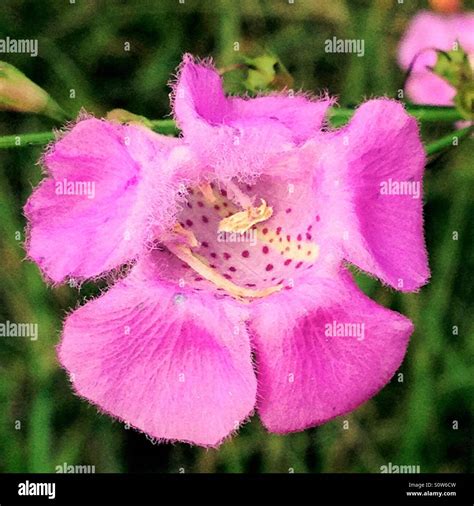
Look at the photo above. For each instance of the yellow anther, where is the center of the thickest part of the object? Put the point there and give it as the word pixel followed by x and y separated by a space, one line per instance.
pixel 188 235
pixel 242 221
pixel 207 192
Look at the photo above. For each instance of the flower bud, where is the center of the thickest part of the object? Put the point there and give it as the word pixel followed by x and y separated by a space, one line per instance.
pixel 446 6
pixel 453 66
pixel 18 93
pixel 266 72
pixel 124 116
pixel 456 69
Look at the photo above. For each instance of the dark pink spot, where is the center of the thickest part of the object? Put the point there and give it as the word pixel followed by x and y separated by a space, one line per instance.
pixel 232 269
pixel 310 227
pixel 265 231
pixel 200 204
pixel 317 218
pixel 213 255
pixel 288 262
pixel 205 219
pixel 205 244
pixel 245 254
pixel 299 246
pixel 189 223
pixel 269 267
pixel 191 191
pixel 250 284
pixel 212 266
pixel 308 236
pixel 278 230
pixel 226 256
pixel 189 205
pixel 288 238
pixel 298 265
pixel 227 276
pixel 265 249
pixel 223 193
pixel 288 210
pixel 197 279
pixel 216 207
pixel 225 204
pixel 299 237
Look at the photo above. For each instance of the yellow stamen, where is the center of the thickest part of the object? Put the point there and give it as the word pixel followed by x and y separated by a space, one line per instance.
pixel 195 262
pixel 207 192
pixel 187 234
pixel 242 221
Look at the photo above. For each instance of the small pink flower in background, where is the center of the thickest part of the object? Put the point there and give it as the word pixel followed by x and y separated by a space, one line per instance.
pixel 237 234
pixel 426 32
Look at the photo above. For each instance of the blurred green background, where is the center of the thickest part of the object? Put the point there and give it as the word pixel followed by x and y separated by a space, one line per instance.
pixel 81 47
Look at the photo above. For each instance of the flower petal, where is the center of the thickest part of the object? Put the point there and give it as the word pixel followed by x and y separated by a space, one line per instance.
pixel 426 32
pixel 175 366
pixel 307 372
pixel 434 31
pixel 235 136
pixel 428 88
pixel 378 162
pixel 93 212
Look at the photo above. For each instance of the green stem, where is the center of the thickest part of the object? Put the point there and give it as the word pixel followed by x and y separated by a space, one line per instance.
pixel 337 116
pixel 165 126
pixel 447 141
pixel 434 113
pixel 22 140
pixel 162 126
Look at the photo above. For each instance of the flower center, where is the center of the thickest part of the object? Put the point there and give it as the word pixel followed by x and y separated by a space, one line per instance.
pixel 237 246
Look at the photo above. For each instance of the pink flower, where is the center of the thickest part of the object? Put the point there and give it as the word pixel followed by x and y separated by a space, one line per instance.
pixel 238 234
pixel 429 31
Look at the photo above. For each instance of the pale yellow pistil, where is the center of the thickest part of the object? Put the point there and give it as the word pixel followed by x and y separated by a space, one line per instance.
pixel 185 254
pixel 244 220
